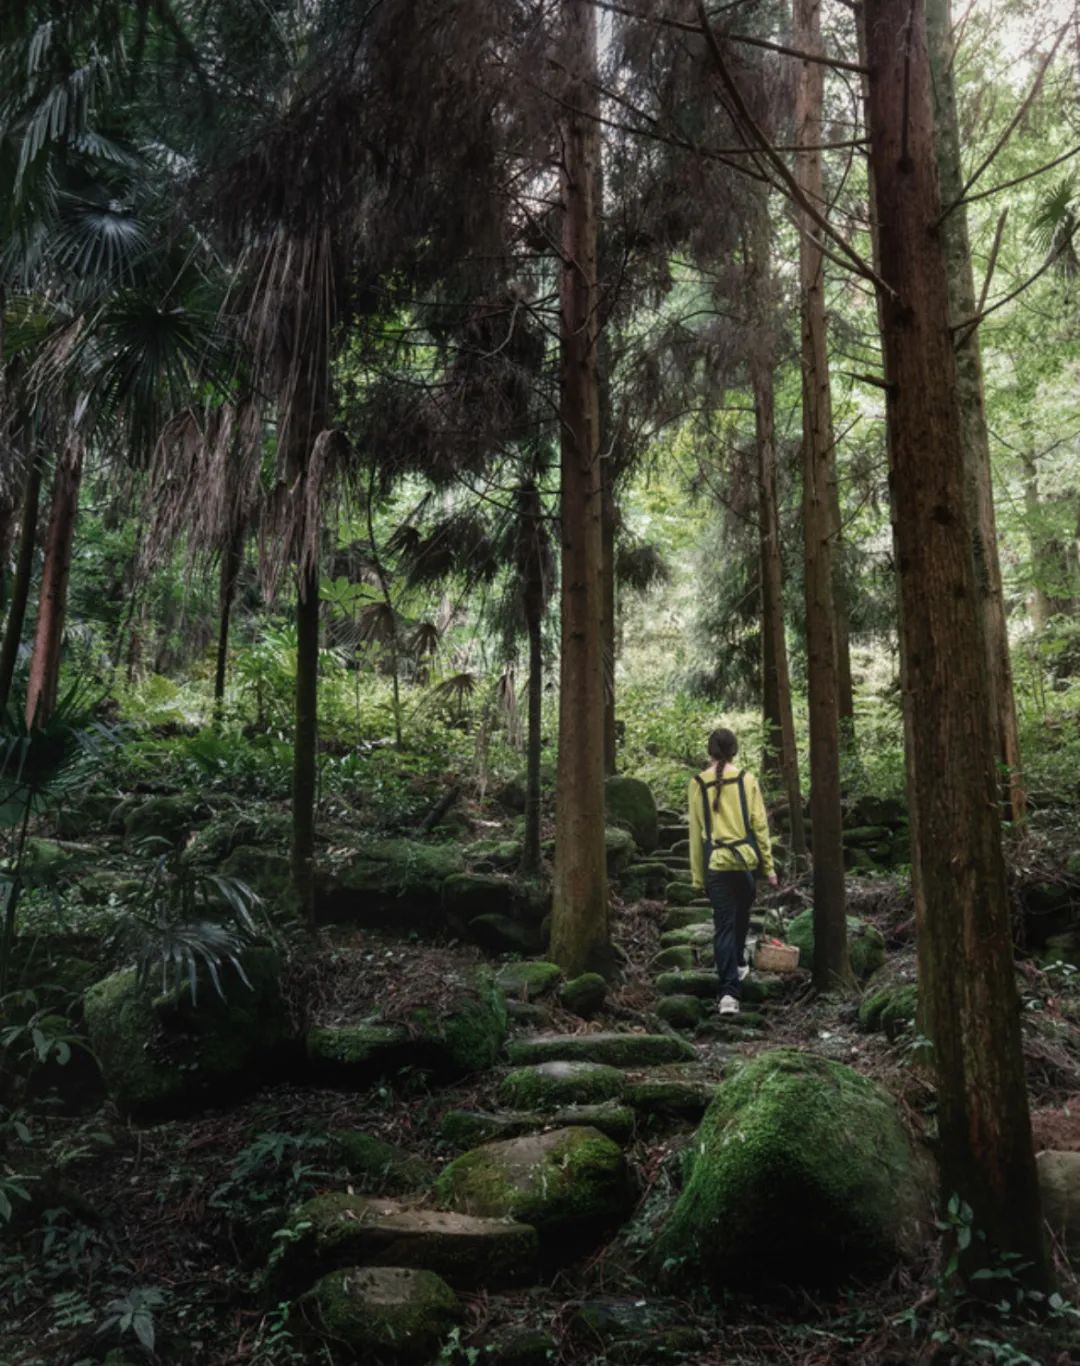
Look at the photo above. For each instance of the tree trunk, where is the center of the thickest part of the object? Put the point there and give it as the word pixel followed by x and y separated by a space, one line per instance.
pixel 609 520
pixel 7 529
pixel 232 559
pixel 20 584
pixel 978 487
pixel 43 685
pixel 832 968
pixel 579 922
pixel 305 739
pixel 962 910
pixel 530 851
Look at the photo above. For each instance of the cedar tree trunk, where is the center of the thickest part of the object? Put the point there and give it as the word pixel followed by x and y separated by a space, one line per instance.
pixel 532 568
pixel 232 558
pixel 44 681
pixel 579 921
pixel 978 488
pixel 832 967
pixel 305 739
pixel 966 975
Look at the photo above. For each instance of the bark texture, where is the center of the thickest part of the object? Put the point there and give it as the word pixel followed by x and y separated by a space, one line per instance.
pixel 978 487
pixel 20 583
pixel 962 910
pixel 579 925
pixel 232 558
pixel 532 566
pixel 832 968
pixel 305 739
pixel 43 684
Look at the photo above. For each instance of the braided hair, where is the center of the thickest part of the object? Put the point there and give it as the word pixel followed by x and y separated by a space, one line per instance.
pixel 723 747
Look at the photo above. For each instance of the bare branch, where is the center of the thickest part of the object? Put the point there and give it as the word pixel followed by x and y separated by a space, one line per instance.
pixel 1016 180
pixel 969 324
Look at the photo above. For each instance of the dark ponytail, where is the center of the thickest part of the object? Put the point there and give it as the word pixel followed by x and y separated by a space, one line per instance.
pixel 723 747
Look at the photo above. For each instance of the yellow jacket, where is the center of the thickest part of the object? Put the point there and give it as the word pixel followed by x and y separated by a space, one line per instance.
pixel 727 825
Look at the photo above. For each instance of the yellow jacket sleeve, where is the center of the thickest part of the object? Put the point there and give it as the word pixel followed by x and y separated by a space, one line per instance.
pixel 760 821
pixel 697 836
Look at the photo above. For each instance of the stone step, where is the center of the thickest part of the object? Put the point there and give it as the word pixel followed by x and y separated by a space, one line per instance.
pixel 680 917
pixel 609 1049
pixel 701 982
pixel 339 1230
pixel 469 1128
pixel 671 834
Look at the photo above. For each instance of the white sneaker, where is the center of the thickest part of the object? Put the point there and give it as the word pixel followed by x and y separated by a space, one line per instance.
pixel 744 973
pixel 729 1005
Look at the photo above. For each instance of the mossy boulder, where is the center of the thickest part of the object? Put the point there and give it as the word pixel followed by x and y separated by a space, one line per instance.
pixel 802 1174
pixel 528 980
pixel 678 958
pixel 163 1056
pixel 380 1316
pixel 609 1048
pixel 49 861
pixel 569 1184
pixel 501 934
pixel 878 811
pixel 398 880
pixel 266 872
pixel 459 1033
pixel 377 1166
pixel 469 895
pixel 681 893
pixel 163 818
pixel 680 1012
pixel 549 1085
pixel 890 1009
pixel 584 995
pixel 501 854
pixel 340 1230
pixel 630 803
pixel 1059 1184
pixel 619 849
pixel 470 1128
pixel 644 880
pixel 865 944
pixel 698 982
pixel 671 1097
pixel 686 917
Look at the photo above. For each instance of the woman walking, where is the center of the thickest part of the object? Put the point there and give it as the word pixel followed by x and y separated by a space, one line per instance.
pixel 729 842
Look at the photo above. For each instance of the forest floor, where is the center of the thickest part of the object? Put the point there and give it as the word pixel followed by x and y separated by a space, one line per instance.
pixel 187 1207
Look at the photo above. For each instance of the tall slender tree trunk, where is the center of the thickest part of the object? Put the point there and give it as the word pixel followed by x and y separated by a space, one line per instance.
pixel 579 923
pixel 232 559
pixel 832 967
pixel 964 938
pixel 609 519
pixel 978 487
pixel 532 566
pixel 305 738
pixel 20 584
pixel 44 681
pixel 7 531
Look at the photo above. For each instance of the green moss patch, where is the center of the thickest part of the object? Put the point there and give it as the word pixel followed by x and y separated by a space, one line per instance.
pixel 554 1084
pixel 381 1315
pixel 865 944
pixel 526 981
pixel 610 1049
pixel 630 803
pixel 377 1166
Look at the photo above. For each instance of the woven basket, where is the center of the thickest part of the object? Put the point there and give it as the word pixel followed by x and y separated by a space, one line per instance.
pixel 776 957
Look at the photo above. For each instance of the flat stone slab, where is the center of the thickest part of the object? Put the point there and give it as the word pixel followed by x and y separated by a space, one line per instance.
pixel 671 1097
pixel 694 935
pixel 470 1128
pixel 680 917
pixel 340 1230
pixel 610 1049
pixel 381 1313
pixel 551 1085
pixel 694 983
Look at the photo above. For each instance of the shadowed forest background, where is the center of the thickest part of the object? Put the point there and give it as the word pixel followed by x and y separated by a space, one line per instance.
pixel 420 425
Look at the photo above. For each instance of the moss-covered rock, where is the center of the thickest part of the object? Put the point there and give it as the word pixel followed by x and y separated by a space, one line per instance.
pixel 468 895
pixel 680 1012
pixel 698 982
pixel 878 811
pixel 644 880
pixel 680 893
pixel 380 1316
pixel 568 1184
pixel 584 995
pixel 164 818
pixel 678 958
pixel 391 879
pixel 267 873
pixel 501 934
pixel 609 1048
pixel 164 1056
pixel 619 848
pixel 630 803
pixel 671 1097
pixel 461 1033
pixel 865 944
pixel 890 1009
pixel 550 1085
pixel 471 1128
pixel 526 981
pixel 340 1230
pixel 375 1165
pixel 802 1174
pixel 504 855
pixel 686 917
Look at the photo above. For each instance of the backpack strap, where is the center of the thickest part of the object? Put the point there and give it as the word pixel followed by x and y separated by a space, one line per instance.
pixel 706 813
pixel 748 830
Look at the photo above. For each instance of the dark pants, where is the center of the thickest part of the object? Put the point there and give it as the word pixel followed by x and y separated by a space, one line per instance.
pixel 731 896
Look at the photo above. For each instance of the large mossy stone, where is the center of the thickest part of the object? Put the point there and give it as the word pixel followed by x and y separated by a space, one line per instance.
pixel 802 1174
pixel 865 944
pixel 890 1009
pixel 466 896
pixel 381 1316
pixel 677 958
pixel 391 879
pixel 162 818
pixel 374 1165
pixel 619 850
pixel 680 1012
pixel 568 1184
pixel 549 1085
pixel 502 854
pixel 681 893
pixel 528 980
pixel 698 982
pixel 630 802
pixel 501 934
pixel 671 1097
pixel 267 873
pixel 163 1056
pixel 463 1033
pixel 610 1049
pixel 584 995
pixel 1059 1185
pixel 872 810
pixel 339 1230
pixel 644 880
pixel 470 1128
pixel 686 917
